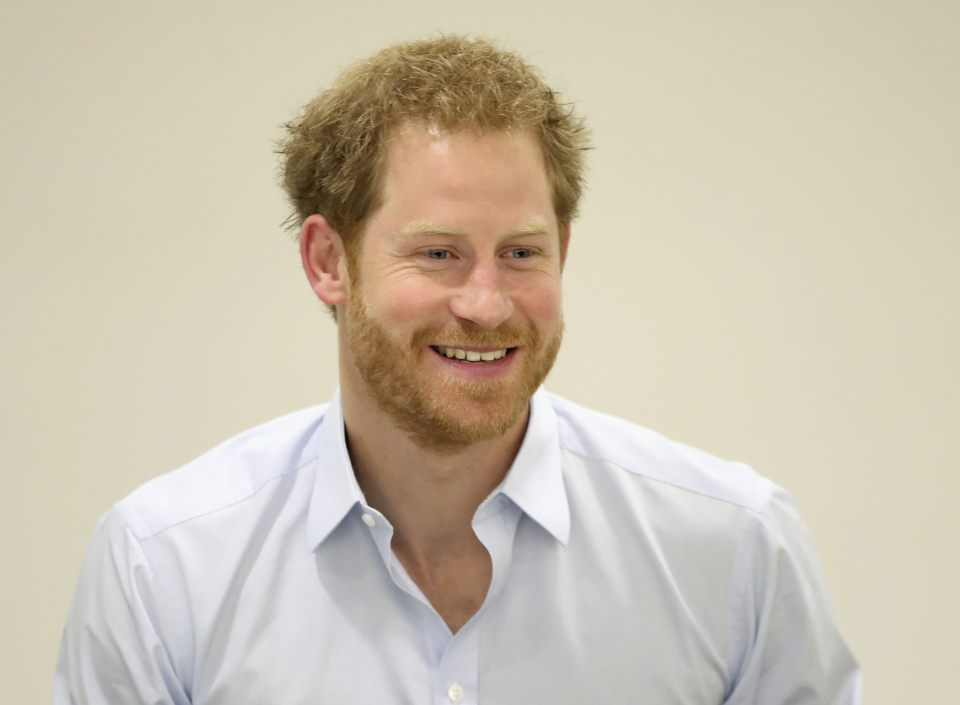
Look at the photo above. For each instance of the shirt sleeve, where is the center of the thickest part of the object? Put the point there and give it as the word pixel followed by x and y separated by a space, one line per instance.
pixel 792 651
pixel 112 651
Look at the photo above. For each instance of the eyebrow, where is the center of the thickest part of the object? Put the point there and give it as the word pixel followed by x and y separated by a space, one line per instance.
pixel 426 228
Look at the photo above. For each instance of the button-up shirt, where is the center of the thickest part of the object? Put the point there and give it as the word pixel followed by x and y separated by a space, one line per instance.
pixel 627 568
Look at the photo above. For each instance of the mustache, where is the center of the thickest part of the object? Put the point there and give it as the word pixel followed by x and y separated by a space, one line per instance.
pixel 505 336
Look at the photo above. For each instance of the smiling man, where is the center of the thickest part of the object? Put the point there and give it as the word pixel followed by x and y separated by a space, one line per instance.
pixel 444 530
pixel 459 291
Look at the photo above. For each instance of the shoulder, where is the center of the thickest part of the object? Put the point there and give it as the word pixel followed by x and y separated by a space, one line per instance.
pixel 225 476
pixel 645 456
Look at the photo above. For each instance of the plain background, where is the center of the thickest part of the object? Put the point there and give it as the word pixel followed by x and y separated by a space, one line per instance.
pixel 767 266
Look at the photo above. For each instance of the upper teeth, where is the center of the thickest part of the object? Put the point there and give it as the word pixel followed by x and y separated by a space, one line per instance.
pixel 471 355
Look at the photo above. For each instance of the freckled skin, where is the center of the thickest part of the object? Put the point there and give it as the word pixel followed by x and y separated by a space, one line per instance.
pixel 464 252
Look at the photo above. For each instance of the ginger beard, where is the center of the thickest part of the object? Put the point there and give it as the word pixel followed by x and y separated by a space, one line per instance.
pixel 440 411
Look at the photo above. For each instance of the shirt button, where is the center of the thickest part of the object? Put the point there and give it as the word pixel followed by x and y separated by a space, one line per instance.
pixel 369 520
pixel 455 693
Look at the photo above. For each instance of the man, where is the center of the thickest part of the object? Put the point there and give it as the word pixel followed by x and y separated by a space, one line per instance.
pixel 442 531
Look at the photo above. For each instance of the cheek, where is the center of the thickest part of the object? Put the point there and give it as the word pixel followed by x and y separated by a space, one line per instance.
pixel 542 304
pixel 413 304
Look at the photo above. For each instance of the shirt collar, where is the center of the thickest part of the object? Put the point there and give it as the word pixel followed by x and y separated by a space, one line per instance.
pixel 335 488
pixel 534 482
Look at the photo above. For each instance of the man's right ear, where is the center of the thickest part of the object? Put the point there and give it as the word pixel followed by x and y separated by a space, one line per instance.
pixel 324 260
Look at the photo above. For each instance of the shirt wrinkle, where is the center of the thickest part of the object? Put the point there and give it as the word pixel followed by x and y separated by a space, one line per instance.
pixel 602 584
pixel 758 511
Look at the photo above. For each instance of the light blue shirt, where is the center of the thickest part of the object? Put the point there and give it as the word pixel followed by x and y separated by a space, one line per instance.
pixel 626 569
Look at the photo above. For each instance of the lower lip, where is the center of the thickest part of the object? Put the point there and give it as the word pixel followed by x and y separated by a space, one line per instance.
pixel 478 370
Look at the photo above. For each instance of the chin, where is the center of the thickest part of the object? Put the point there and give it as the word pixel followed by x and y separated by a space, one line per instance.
pixel 457 415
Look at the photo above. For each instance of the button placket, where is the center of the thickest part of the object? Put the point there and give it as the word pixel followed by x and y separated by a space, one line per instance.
pixel 456 677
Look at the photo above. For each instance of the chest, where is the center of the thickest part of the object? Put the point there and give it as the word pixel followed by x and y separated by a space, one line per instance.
pixel 455 584
pixel 341 628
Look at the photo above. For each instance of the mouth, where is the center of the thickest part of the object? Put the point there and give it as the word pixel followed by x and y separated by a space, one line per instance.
pixel 474 356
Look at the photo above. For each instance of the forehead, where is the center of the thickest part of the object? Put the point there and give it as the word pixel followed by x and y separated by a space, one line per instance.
pixel 501 169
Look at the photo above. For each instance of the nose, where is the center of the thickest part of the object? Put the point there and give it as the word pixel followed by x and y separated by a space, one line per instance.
pixel 482 299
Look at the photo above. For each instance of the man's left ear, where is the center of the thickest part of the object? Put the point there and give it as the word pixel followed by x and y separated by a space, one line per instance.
pixel 324 260
pixel 564 242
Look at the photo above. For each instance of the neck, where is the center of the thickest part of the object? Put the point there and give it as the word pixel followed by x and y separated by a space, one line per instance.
pixel 428 495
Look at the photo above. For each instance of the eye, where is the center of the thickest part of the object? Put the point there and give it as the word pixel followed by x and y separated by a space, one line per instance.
pixel 521 252
pixel 437 255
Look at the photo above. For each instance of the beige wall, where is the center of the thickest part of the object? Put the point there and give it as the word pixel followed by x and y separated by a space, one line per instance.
pixel 767 266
